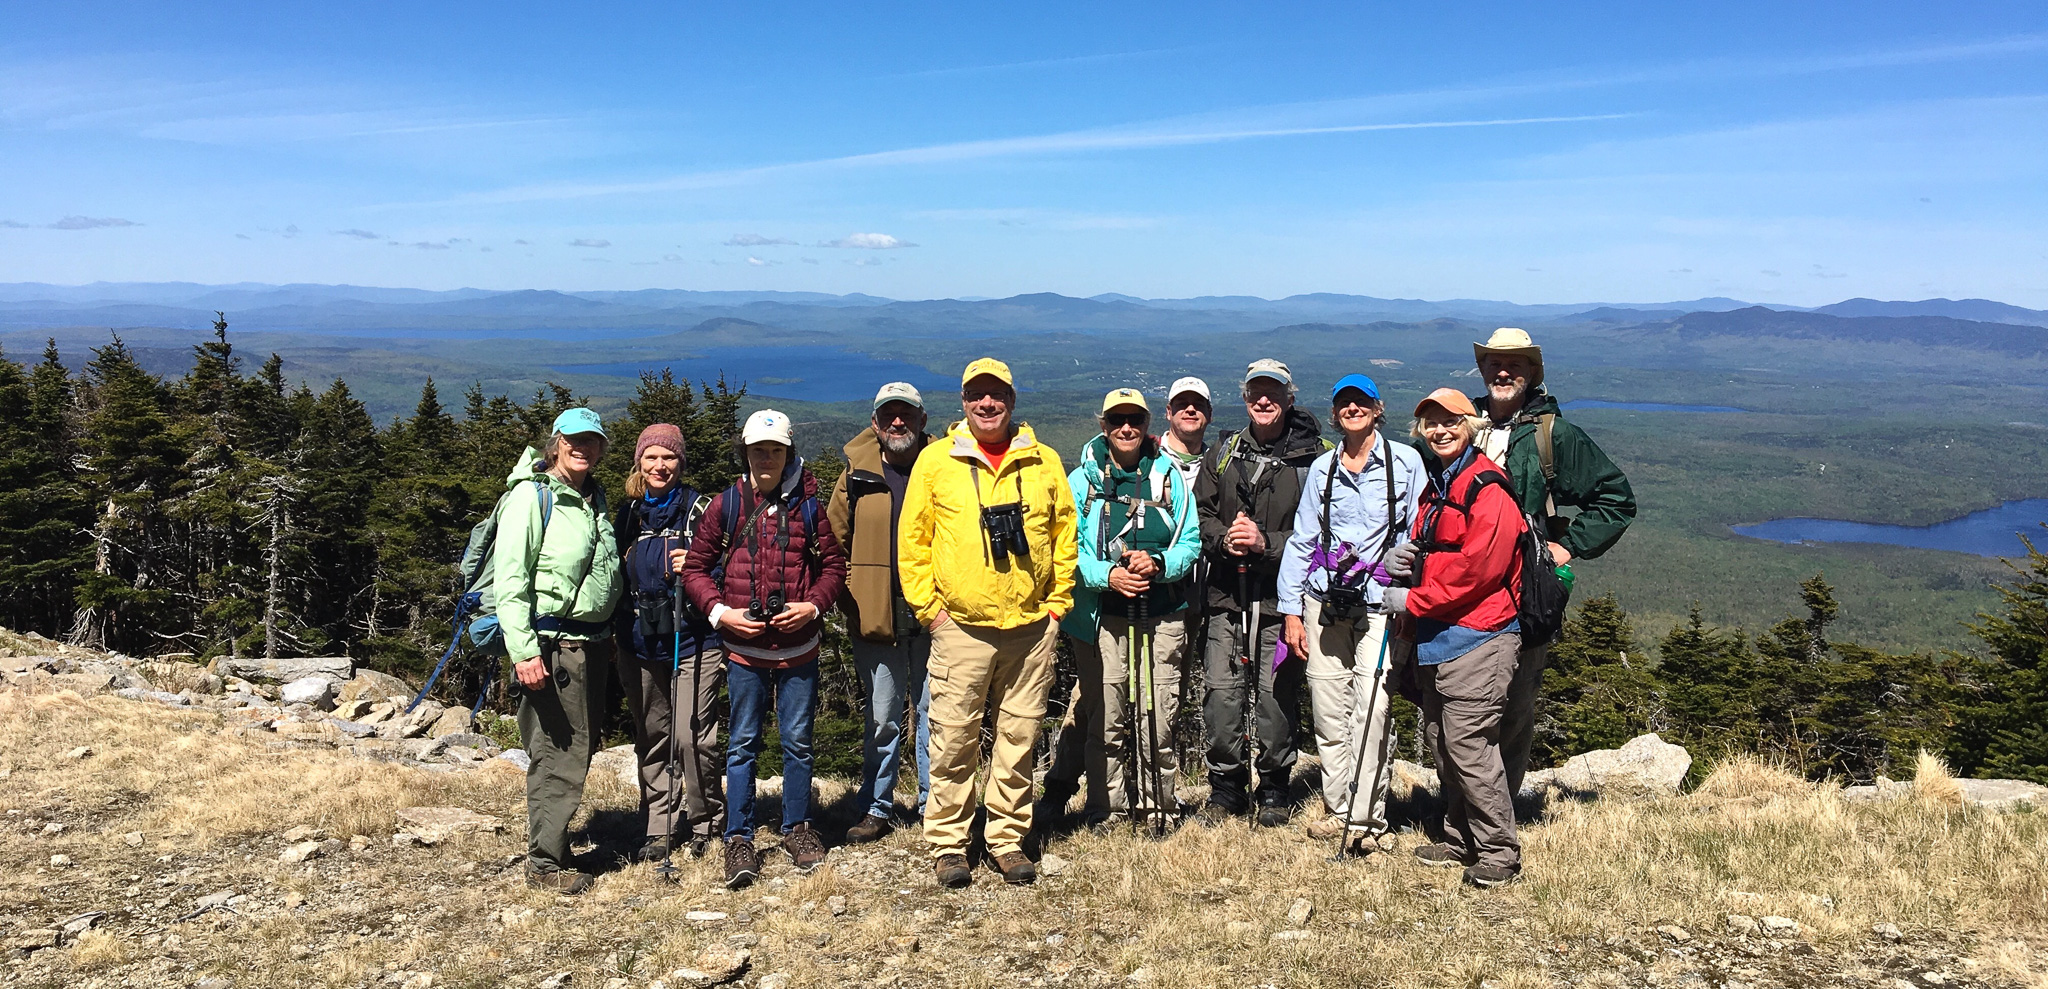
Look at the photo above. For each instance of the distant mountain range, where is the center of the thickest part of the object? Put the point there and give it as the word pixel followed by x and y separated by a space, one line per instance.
pixel 251 305
pixel 2018 339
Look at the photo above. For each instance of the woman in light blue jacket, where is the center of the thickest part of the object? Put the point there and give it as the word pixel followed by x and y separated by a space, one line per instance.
pixel 1139 538
pixel 1356 505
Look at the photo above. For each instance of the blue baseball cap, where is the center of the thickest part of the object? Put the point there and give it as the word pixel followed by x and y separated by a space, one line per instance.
pixel 573 421
pixel 1358 381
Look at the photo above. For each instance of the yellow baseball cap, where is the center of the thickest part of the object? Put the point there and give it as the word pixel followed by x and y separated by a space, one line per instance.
pixel 1125 396
pixel 989 366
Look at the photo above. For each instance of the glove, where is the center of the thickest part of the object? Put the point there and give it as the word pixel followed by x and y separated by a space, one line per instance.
pixel 1400 561
pixel 1396 601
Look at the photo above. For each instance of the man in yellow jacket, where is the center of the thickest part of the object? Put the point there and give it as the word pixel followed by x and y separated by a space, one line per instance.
pixel 986 554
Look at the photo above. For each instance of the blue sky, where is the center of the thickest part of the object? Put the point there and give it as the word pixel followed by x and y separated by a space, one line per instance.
pixel 1796 153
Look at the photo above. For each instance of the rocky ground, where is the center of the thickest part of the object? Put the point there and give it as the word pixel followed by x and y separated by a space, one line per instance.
pixel 174 833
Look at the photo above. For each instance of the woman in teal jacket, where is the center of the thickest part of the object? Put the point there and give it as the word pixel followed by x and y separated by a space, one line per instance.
pixel 1139 538
pixel 556 572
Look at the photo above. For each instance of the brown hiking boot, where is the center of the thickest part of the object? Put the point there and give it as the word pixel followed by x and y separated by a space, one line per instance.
pixel 871 828
pixel 742 865
pixel 1489 876
pixel 952 871
pixel 1016 868
pixel 804 846
pixel 567 882
pixel 1443 854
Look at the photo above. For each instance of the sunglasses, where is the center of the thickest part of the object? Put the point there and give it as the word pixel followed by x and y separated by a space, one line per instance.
pixel 1118 420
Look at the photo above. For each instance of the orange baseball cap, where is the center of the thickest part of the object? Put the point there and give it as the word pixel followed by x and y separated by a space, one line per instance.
pixel 1450 399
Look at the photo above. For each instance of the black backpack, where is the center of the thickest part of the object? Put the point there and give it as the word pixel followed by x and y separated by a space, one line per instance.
pixel 1544 598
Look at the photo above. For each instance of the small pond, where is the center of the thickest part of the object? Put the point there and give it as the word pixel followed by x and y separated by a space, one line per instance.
pixel 1991 532
pixel 1594 403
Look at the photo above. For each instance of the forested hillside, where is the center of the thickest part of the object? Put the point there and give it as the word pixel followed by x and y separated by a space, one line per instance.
pixel 226 511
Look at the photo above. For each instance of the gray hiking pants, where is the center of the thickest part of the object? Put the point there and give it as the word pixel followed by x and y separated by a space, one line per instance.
pixel 558 725
pixel 1462 701
pixel 691 806
pixel 1518 722
pixel 1223 686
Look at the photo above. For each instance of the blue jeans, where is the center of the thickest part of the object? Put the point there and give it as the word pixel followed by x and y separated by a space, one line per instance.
pixel 796 692
pixel 889 672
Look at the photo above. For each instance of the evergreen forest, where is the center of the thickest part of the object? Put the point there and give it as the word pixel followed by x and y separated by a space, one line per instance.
pixel 229 512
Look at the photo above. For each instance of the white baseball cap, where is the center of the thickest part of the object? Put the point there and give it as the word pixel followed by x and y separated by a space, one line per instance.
pixel 1188 384
pixel 898 391
pixel 767 426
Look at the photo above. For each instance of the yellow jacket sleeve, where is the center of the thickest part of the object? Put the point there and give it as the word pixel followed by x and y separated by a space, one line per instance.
pixel 1066 550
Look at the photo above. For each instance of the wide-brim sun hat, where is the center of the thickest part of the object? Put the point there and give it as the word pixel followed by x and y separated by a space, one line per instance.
pixel 1512 340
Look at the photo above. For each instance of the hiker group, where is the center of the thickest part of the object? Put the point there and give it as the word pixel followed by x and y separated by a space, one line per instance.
pixel 1432 562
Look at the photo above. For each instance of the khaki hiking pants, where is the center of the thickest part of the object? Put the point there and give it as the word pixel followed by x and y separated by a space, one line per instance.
pixel 1462 701
pixel 1518 722
pixel 1343 685
pixel 657 699
pixel 975 669
pixel 558 725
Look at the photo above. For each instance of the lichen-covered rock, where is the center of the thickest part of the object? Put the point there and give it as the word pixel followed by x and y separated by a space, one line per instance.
pixel 257 670
pixel 1647 766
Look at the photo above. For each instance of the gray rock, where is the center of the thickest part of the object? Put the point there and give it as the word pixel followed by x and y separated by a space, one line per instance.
pixel 218 898
pixel 1775 923
pixel 1675 933
pixel 352 729
pixel 621 762
pixel 315 691
pixel 157 696
pixel 555 981
pixel 2004 794
pixel 84 683
pixel 1889 932
pixel 836 904
pixel 275 671
pixel 1053 865
pixel 454 720
pixel 75 926
pixel 1645 767
pixel 1300 911
pixel 517 757
pixel 1294 935
pixel 438 823
pixel 716 964
pixel 1743 924
pixel 301 852
pixel 471 739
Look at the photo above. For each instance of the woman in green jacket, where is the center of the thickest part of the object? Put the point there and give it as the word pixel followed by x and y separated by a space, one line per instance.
pixel 556 567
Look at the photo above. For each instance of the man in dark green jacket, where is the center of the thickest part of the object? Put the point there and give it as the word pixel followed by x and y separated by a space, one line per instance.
pixel 1552 465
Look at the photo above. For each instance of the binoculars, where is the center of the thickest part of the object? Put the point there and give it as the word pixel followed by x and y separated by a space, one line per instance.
pixel 1005 527
pixel 1343 603
pixel 763 611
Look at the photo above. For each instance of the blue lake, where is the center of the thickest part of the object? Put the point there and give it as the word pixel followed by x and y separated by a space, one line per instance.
pixel 812 374
pixel 1594 403
pixel 1991 532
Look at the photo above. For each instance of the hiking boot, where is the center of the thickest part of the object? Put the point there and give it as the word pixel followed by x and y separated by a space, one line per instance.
pixel 1325 828
pixel 1213 813
pixel 1273 811
pixel 1358 844
pixel 952 871
pixel 1016 868
pixel 567 882
pixel 805 848
pixel 1489 876
pixel 1443 854
pixel 699 845
pixel 871 828
pixel 655 849
pixel 742 864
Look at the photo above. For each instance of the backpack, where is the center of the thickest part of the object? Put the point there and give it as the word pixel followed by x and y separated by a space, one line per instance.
pixel 729 513
pixel 1541 607
pixel 476 608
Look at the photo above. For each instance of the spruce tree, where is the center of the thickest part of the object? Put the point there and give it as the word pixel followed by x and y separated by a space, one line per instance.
pixel 132 465
pixel 2002 730
pixel 1595 694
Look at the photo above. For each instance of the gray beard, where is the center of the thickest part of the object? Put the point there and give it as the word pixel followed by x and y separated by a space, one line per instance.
pixel 898 445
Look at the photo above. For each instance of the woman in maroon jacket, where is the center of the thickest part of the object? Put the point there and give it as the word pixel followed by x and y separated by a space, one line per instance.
pixel 763 567
pixel 1463 574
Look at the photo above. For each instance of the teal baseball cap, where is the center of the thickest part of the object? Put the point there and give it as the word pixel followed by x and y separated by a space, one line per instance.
pixel 573 421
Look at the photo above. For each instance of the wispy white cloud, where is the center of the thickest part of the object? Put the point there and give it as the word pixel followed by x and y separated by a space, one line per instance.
pixel 758 263
pixel 1046 218
pixel 358 234
pixel 589 242
pixel 90 223
pixel 756 240
pixel 868 242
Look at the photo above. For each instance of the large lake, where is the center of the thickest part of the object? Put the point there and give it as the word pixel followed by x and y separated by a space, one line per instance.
pixel 1594 403
pixel 813 374
pixel 1991 532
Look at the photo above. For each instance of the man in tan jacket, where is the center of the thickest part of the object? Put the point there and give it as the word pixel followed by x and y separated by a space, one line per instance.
pixel 890 646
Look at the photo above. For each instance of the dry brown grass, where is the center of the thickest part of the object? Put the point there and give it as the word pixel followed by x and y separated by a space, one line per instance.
pixel 1968 889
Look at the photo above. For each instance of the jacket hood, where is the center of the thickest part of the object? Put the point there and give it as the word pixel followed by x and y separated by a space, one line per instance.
pixel 526 468
pixel 1301 434
pixel 965 448
pixel 1095 460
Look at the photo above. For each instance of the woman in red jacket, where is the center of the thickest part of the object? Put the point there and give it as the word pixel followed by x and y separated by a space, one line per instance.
pixel 1463 572
pixel 763 567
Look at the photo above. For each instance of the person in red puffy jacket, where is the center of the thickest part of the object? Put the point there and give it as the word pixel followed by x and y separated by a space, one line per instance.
pixel 763 567
pixel 1462 572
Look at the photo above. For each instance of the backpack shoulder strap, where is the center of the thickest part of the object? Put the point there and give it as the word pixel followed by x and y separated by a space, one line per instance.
pixel 546 495
pixel 1546 451
pixel 1387 468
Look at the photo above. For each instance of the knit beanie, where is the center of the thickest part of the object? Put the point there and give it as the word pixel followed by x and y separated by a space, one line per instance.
pixel 660 434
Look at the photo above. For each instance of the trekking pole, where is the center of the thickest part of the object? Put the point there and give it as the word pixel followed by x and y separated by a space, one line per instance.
pixel 1158 804
pixel 1246 649
pixel 1132 783
pixel 1379 667
pixel 667 869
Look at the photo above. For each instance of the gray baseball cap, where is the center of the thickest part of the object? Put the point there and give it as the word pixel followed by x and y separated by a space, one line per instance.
pixel 898 391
